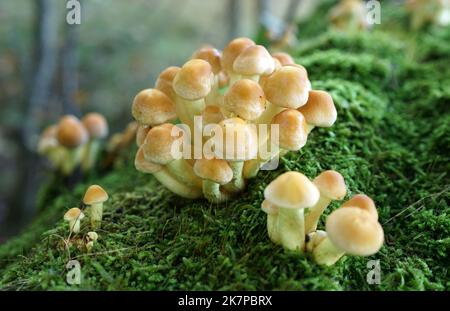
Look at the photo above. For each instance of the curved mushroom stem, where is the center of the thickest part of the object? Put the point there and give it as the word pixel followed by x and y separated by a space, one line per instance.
pixel 71 160
pixel 187 109
pixel 96 215
pixel 91 150
pixel 252 167
pixel 74 225
pixel 237 184
pixel 213 97
pixel 174 185
pixel 184 171
pixel 212 192
pixel 291 228
pixel 313 214
pixel 326 253
pixel 269 113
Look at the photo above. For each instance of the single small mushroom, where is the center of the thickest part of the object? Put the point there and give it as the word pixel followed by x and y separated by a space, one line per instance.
pixel 253 62
pixel 164 83
pixel 332 186
pixel 313 239
pixel 97 127
pixel 72 135
pixel 74 217
pixel 287 87
pixel 364 202
pixel 291 193
pixel 283 58
pixel 91 238
pixel 141 134
pixel 245 99
pixel 319 110
pixel 158 147
pixel 95 196
pixel 164 177
pixel 214 172
pixel 152 107
pixel 231 52
pixel 350 231
pixel 213 57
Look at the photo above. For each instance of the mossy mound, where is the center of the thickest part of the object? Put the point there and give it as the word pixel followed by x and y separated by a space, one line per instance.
pixel 390 141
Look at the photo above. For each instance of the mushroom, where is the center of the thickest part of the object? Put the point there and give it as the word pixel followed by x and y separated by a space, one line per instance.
pixel 97 127
pixel 164 177
pixel 231 52
pixel 332 186
pixel 253 62
pixel 158 147
pixel 95 196
pixel 91 238
pixel 364 202
pixel 313 239
pixel 214 172
pixel 192 84
pixel 48 146
pixel 213 57
pixel 141 134
pixel 292 136
pixel 291 193
pixel 349 230
pixel 72 135
pixel 349 15
pixel 283 58
pixel 164 83
pixel 286 88
pixel 74 217
pixel 245 99
pixel 319 110
pixel 152 107
pixel 238 144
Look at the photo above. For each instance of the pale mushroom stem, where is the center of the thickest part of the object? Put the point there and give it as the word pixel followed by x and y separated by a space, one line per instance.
pixel 272 228
pixel 91 150
pixel 291 228
pixel 213 97
pixel 74 225
pixel 326 253
pixel 212 192
pixel 237 184
pixel 233 77
pixel 313 214
pixel 72 159
pixel 188 109
pixel 185 173
pixel 269 113
pixel 96 215
pixel 174 185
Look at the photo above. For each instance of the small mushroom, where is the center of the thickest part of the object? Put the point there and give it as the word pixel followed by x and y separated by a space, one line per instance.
pixel 245 99
pixel 319 110
pixel 48 146
pixel 291 193
pixel 332 186
pixel 213 57
pixel 74 217
pixel 164 83
pixel 214 172
pixel 95 196
pixel 253 62
pixel 231 52
pixel 350 231
pixel 152 107
pixel 97 128
pixel 91 237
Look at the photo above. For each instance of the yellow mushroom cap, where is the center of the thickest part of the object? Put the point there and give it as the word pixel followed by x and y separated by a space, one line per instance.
pixel 212 115
pixel 73 213
pixel 239 140
pixel 233 50
pixel 165 81
pixel 292 190
pixel 211 55
pixel 283 58
pixel 153 107
pixel 246 99
pixel 215 170
pixel 141 134
pixel 319 109
pixel 354 231
pixel 144 166
pixel 364 202
pixel 158 144
pixel 194 80
pixel 293 132
pixel 331 184
pixel 254 60
pixel 269 208
pixel 95 124
pixel 287 87
pixel 71 132
pixel 95 194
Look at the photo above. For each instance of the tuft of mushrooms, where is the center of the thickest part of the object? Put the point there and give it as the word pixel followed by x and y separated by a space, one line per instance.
pixel 74 217
pixel 95 196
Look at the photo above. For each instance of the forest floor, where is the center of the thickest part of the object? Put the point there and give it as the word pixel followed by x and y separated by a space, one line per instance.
pixel 391 141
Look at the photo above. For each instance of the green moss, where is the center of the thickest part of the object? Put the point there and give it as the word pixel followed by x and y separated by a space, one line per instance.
pixel 390 141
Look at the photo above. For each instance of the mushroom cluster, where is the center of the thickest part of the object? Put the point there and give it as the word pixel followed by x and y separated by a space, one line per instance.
pixel 236 92
pixel 73 142
pixel 294 204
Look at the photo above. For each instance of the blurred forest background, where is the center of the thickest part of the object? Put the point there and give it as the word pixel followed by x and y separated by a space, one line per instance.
pixel 49 68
